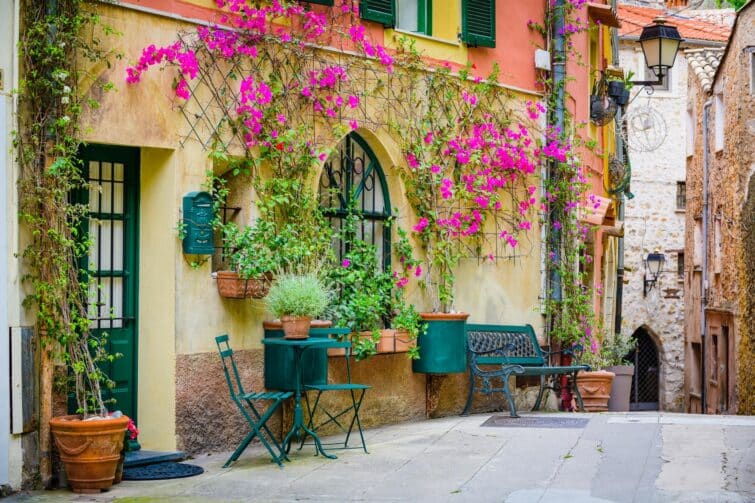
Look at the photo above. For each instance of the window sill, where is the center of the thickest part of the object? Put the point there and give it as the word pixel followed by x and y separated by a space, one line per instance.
pixel 422 36
pixel 680 210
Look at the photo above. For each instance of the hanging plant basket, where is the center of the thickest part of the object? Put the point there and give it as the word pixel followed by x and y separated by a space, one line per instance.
pixel 602 107
pixel 232 286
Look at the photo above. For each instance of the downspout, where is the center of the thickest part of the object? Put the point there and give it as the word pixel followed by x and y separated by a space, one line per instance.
pixel 556 121
pixel 704 285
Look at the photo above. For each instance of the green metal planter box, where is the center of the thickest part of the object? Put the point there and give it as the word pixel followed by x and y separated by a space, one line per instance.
pixel 442 348
pixel 280 372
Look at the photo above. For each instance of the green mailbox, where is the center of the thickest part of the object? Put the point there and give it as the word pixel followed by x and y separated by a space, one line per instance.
pixel 197 221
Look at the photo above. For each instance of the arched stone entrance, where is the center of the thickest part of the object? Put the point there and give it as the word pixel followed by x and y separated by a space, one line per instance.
pixel 647 367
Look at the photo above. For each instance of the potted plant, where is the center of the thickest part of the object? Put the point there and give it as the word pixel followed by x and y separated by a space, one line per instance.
pixel 295 299
pixel 618 349
pixel 89 442
pixel 251 261
pixel 595 385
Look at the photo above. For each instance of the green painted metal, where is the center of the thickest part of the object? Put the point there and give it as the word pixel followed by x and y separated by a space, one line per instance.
pixel 197 221
pixel 442 348
pixel 256 420
pixel 121 328
pixel 280 363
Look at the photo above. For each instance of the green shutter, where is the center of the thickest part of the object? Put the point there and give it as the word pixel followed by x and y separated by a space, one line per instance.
pixel 329 3
pixel 478 22
pixel 380 11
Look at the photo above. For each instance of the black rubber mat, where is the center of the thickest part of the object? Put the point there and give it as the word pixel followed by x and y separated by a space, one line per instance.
pixel 535 422
pixel 157 471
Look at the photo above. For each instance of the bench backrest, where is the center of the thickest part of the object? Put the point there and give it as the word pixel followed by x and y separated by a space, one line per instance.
pixel 516 344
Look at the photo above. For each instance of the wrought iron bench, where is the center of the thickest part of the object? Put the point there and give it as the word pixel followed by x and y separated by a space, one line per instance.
pixel 498 351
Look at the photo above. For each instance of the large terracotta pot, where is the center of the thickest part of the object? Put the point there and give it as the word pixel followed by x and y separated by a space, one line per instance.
pixel 295 327
pixel 595 388
pixel 89 450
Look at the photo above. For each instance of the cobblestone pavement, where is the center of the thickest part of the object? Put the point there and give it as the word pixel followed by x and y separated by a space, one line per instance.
pixel 631 457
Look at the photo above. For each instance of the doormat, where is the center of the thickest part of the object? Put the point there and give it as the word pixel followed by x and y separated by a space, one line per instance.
pixel 535 422
pixel 157 471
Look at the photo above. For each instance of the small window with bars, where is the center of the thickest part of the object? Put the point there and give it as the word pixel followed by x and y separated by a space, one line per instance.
pixel 680 264
pixel 681 195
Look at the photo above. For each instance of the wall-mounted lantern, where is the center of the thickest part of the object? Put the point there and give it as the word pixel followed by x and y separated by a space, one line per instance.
pixel 653 265
pixel 660 43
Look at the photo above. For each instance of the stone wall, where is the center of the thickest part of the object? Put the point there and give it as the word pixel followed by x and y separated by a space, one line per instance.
pixel 653 222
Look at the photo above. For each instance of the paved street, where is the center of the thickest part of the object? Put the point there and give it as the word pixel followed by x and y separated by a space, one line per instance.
pixel 636 457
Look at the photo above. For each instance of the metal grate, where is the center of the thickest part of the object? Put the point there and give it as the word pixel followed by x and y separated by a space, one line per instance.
pixel 681 195
pixel 645 382
pixel 556 422
pixel 511 344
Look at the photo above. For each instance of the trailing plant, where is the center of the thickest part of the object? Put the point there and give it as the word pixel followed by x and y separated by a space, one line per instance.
pixel 469 179
pixel 57 36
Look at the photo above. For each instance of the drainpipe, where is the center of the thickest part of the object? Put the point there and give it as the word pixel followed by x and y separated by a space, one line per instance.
pixel 618 299
pixel 556 122
pixel 704 285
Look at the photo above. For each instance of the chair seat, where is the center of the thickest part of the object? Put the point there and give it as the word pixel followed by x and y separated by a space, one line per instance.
pixel 337 387
pixel 269 395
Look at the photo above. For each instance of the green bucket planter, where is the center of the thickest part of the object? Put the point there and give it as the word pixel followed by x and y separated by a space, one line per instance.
pixel 442 348
pixel 280 372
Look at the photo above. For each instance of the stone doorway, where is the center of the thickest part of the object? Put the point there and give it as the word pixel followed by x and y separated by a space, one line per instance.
pixel 644 395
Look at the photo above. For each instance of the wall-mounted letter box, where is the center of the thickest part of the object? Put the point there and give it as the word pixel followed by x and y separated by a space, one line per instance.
pixel 197 221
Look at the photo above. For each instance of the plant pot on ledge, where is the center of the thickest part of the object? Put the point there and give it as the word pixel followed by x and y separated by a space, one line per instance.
pixel 442 348
pixel 90 450
pixel 595 388
pixel 232 286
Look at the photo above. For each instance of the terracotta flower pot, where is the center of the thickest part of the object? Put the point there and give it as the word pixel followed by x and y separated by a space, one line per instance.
pixel 296 327
pixel 231 286
pixel 393 341
pixel 595 388
pixel 90 450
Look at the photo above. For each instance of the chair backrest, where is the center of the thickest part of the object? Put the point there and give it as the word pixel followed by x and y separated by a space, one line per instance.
pixel 341 334
pixel 226 356
pixel 516 343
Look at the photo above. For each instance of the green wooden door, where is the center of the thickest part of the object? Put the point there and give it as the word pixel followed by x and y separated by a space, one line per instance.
pixel 113 200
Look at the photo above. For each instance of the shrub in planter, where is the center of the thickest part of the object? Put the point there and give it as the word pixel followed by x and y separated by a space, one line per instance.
pixel 296 299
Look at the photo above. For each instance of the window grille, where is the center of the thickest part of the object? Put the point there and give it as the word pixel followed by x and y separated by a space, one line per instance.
pixel 353 179
pixel 681 195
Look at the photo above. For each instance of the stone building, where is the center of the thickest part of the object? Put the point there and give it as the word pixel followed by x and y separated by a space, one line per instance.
pixel 654 218
pixel 719 238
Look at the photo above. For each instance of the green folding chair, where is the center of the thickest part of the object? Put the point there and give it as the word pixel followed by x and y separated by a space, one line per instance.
pixel 257 421
pixel 356 393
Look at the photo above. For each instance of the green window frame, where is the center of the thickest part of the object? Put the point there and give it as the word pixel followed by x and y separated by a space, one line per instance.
pixel 478 23
pixel 352 178
pixel 424 16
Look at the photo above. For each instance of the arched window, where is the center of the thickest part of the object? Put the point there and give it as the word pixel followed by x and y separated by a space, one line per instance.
pixel 352 178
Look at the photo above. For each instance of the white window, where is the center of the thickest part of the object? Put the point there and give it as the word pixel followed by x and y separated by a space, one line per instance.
pixel 414 16
pixel 720 117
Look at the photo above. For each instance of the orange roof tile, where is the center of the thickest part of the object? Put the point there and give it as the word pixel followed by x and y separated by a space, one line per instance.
pixel 634 18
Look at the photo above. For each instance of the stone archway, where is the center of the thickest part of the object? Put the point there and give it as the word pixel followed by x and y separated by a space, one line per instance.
pixel 646 382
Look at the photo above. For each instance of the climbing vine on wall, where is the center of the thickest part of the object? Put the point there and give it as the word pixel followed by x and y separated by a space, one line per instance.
pixel 57 37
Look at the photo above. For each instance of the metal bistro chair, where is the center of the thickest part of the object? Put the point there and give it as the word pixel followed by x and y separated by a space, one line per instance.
pixel 356 393
pixel 256 421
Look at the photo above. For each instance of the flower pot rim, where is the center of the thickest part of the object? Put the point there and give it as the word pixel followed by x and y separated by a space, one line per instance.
pixel 278 325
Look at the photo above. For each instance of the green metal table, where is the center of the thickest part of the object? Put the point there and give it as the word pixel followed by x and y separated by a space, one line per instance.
pixel 299 429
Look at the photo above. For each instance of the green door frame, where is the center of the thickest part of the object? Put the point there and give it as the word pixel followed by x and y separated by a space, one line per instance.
pixel 123 339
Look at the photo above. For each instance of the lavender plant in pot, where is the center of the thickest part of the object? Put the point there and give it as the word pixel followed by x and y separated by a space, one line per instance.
pixel 296 299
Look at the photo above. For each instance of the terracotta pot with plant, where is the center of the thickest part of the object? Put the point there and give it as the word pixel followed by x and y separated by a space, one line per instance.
pixel 295 300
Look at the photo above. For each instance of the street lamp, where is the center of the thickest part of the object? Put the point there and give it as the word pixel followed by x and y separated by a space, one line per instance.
pixel 660 43
pixel 654 265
